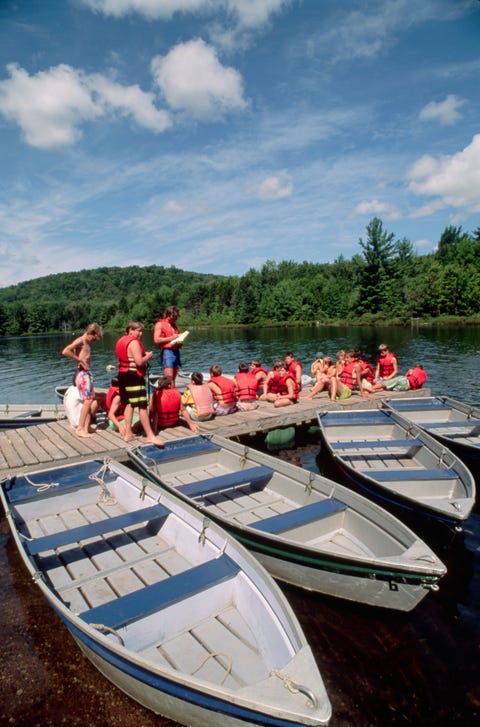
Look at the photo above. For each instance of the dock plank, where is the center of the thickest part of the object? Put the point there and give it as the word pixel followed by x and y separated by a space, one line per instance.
pixel 56 442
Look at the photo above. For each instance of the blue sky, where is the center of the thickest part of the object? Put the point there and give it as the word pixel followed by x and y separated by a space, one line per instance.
pixel 214 135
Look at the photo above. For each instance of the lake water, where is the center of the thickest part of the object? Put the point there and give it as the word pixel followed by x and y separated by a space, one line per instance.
pixel 31 367
pixel 380 668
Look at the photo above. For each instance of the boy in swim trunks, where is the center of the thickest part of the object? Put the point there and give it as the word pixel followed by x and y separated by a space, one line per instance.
pixel 80 351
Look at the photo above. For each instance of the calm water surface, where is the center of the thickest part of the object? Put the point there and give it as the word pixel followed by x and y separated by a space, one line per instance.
pixel 380 668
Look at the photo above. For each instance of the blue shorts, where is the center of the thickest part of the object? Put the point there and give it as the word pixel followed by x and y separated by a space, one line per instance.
pixel 171 358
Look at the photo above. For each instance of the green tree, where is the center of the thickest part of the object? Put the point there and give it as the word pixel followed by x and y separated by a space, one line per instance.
pixel 378 251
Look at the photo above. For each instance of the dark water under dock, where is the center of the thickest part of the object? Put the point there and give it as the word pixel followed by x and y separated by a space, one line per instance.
pixel 379 667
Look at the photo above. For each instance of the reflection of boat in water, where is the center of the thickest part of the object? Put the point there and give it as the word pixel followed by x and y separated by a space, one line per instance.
pixel 397 463
pixel 307 530
pixel 165 604
pixel 13 416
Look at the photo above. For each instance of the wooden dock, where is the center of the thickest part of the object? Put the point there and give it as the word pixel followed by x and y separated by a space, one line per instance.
pixel 43 445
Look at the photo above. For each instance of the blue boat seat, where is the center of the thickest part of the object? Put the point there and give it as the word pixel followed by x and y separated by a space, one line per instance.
pixel 300 516
pixel 66 478
pixel 175 449
pixel 83 532
pixel 256 476
pixel 411 474
pixel 363 418
pixel 139 604
pixel 465 423
pixel 415 405
pixel 378 444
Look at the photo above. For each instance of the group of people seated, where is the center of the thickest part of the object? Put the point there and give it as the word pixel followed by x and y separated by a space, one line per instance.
pixel 221 395
pixel 353 372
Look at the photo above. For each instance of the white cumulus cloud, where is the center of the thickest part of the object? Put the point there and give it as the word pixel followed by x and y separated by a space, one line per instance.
pixel 446 112
pixel 51 106
pixel 192 79
pixel 375 207
pixel 453 179
pixel 275 187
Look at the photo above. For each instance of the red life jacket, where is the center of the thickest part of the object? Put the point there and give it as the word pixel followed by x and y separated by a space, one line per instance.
pixel 346 375
pixel 112 392
pixel 167 329
pixel 292 368
pixel 126 362
pixel 283 388
pixel 367 371
pixel 166 402
pixel 227 387
pixel 416 377
pixel 247 386
pixel 273 386
pixel 203 398
pixel 385 365
pixel 258 369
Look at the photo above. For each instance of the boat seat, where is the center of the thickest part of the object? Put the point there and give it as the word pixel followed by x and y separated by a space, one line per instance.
pixel 363 418
pixel 66 478
pixel 139 604
pixel 300 516
pixel 28 414
pixel 175 449
pixel 257 476
pixel 83 532
pixel 411 474
pixel 378 444
pixel 464 423
pixel 415 405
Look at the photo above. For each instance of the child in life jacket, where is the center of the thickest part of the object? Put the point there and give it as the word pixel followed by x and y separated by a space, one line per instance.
pixel 198 399
pixel 166 408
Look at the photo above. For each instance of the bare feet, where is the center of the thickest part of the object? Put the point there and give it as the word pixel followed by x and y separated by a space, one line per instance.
pixel 129 438
pixel 157 442
pixel 82 433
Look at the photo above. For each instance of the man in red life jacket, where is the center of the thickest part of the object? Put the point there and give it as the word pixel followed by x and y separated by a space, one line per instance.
pixel 164 334
pixel 247 386
pixel 295 368
pixel 223 390
pixel 387 366
pixel 166 408
pixel 132 363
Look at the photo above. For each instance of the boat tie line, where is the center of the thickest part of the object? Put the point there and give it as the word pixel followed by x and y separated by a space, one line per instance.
pixel 294 687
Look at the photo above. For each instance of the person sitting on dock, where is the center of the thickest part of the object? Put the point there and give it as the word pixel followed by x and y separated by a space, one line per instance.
pixel 260 374
pixel 295 368
pixel 387 366
pixel 198 399
pixel 280 387
pixel 166 408
pixel 316 367
pixel 80 351
pixel 247 386
pixel 223 390
pixel 132 367
pixel 324 379
pixel 348 379
pixel 413 379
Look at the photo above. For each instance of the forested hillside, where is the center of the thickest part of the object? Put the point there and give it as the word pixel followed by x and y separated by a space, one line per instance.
pixel 385 281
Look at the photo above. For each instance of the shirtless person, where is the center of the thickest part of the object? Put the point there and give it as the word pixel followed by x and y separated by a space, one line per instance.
pixel 79 350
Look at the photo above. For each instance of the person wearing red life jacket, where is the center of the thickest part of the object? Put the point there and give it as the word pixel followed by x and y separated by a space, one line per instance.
pixel 260 374
pixel 132 367
pixel 387 366
pixel 413 379
pixel 223 390
pixel 295 368
pixel 246 388
pixel 166 408
pixel 348 379
pixel 164 334
pixel 198 399
pixel 282 389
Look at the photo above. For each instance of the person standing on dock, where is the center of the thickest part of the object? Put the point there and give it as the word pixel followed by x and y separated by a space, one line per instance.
pixel 80 351
pixel 132 367
pixel 165 335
